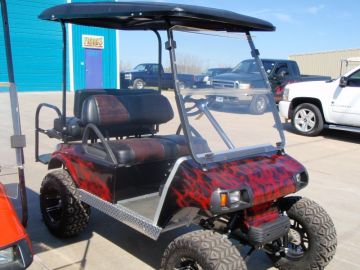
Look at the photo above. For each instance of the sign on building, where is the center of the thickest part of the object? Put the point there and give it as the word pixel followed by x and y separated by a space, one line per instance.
pixel 92 42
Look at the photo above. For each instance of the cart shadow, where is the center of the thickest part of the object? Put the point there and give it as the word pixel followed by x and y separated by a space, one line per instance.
pixel 148 250
pixel 137 244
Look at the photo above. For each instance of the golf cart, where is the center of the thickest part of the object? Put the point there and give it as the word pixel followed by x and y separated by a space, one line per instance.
pixel 226 172
pixel 15 245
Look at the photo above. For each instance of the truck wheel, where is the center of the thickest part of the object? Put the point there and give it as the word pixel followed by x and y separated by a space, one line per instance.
pixel 63 213
pixel 181 85
pixel 213 104
pixel 204 250
pixel 258 105
pixel 311 239
pixel 139 84
pixel 307 120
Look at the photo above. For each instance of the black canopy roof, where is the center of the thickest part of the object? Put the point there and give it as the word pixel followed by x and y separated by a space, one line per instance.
pixel 153 15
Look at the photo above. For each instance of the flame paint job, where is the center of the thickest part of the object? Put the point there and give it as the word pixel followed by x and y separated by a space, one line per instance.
pixel 87 174
pixel 269 177
pixel 260 214
pixel 10 226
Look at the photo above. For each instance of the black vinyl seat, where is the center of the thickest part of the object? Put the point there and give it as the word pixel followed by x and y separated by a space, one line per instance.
pixel 73 125
pixel 136 116
pixel 151 149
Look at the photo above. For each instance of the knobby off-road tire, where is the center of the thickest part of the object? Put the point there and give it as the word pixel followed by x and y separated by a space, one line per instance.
pixel 314 223
pixel 307 120
pixel 205 250
pixel 63 213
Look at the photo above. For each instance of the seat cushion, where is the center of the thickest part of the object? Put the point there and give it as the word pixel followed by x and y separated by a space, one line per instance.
pixel 151 149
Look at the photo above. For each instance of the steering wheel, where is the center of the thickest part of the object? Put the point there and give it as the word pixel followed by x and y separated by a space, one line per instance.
pixel 195 108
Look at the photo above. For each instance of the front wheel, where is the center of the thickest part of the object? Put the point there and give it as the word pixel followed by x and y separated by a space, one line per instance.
pixel 139 84
pixel 307 120
pixel 311 241
pixel 202 250
pixel 258 105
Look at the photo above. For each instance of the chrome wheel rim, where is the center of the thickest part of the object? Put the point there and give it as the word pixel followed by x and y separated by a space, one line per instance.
pixel 53 205
pixel 305 120
pixel 298 241
pixel 260 104
pixel 139 85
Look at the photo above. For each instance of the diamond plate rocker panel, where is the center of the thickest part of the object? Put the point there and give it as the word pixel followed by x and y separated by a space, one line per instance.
pixel 122 214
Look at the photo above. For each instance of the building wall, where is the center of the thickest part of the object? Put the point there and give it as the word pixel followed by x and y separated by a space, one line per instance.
pixel 37 49
pixel 36 46
pixel 324 63
pixel 108 55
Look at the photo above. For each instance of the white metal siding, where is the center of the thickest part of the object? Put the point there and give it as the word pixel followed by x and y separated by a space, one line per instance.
pixel 323 63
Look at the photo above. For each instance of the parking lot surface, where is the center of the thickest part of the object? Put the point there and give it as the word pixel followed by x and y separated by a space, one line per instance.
pixel 332 160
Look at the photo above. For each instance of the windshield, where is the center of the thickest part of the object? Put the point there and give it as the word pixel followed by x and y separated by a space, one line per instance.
pixel 140 68
pixel 235 114
pixel 8 165
pixel 250 66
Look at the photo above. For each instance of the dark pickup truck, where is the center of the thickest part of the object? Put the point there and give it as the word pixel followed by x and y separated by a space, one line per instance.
pixel 148 75
pixel 280 73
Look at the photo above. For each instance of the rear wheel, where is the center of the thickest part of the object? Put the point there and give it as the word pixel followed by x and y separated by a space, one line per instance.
pixel 63 213
pixel 181 85
pixel 311 241
pixel 307 120
pixel 202 250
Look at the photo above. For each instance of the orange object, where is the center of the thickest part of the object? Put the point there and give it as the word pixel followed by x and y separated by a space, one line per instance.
pixel 223 199
pixel 11 228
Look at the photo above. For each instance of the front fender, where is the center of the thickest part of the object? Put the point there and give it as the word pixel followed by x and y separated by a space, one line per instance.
pixel 267 177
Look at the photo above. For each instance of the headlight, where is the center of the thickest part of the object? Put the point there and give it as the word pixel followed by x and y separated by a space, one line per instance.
pixel 244 86
pixel 6 255
pixel 16 256
pixel 128 76
pixel 286 94
pixel 301 179
pixel 234 197
pixel 223 201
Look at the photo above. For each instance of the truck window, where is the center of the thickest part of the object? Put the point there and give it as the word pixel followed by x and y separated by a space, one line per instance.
pixel 269 66
pixel 282 69
pixel 354 79
pixel 249 66
pixel 140 67
pixel 154 68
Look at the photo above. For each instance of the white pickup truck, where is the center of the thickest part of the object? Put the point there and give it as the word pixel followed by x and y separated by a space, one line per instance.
pixel 313 106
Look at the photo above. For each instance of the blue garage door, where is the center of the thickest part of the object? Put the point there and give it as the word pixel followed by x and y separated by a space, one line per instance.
pixel 36 45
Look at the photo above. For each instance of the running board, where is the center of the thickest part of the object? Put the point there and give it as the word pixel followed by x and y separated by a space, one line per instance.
pixel 122 214
pixel 344 128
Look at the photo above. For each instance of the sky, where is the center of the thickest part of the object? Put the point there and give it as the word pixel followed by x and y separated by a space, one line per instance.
pixel 301 27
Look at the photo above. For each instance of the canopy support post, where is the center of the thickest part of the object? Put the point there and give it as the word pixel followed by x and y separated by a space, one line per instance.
pixel 64 55
pixel 159 58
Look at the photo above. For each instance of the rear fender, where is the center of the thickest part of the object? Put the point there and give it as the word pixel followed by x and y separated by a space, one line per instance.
pixel 56 163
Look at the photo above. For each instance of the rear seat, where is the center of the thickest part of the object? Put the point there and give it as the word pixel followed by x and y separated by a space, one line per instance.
pixel 73 124
pixel 136 115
